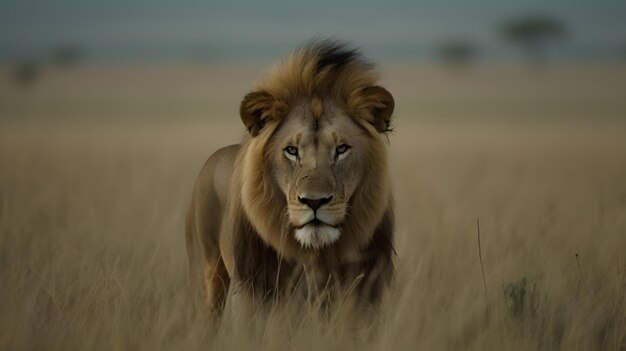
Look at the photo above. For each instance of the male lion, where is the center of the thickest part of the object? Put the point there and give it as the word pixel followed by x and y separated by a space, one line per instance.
pixel 302 208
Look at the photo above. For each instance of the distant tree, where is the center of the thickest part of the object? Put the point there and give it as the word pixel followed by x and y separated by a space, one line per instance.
pixel 67 55
pixel 622 53
pixel 26 73
pixel 457 53
pixel 533 32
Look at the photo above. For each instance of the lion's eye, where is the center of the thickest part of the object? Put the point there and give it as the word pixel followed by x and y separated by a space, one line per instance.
pixel 342 148
pixel 291 150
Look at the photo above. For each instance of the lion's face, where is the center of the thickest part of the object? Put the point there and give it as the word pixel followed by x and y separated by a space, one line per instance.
pixel 314 166
pixel 318 162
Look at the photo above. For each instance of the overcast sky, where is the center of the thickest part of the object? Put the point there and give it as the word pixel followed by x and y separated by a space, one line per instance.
pixel 247 29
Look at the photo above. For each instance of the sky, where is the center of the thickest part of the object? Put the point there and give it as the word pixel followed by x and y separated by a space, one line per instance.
pixel 249 30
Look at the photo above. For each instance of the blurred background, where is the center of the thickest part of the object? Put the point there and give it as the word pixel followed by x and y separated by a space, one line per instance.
pixel 511 112
pixel 170 60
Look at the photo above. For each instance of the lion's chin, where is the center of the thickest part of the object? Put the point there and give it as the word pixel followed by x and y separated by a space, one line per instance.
pixel 317 236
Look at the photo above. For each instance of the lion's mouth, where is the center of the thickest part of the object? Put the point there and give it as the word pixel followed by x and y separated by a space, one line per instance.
pixel 317 234
pixel 316 222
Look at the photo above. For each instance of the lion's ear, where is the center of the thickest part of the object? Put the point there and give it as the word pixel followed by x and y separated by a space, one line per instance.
pixel 256 109
pixel 375 104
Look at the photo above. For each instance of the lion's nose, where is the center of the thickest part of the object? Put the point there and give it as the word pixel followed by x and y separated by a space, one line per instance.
pixel 315 203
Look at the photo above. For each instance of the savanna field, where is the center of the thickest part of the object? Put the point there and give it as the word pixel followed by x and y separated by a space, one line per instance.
pixel 97 166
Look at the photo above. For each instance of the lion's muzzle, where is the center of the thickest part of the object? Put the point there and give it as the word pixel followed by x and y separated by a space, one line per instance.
pixel 314 202
pixel 317 220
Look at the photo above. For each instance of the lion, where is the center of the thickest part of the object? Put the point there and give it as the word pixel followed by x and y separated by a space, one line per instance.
pixel 302 207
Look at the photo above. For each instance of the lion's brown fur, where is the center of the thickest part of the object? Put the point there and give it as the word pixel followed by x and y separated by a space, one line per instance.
pixel 252 245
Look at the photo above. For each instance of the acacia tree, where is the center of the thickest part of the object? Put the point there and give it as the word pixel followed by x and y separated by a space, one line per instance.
pixel 457 53
pixel 533 32
pixel 67 56
pixel 26 73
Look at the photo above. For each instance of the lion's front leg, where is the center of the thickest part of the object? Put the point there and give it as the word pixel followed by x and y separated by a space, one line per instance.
pixel 216 283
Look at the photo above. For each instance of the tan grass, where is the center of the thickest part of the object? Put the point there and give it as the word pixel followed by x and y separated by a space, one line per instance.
pixel 92 253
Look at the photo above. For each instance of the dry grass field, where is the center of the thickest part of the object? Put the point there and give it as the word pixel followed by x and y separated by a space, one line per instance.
pixel 93 194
